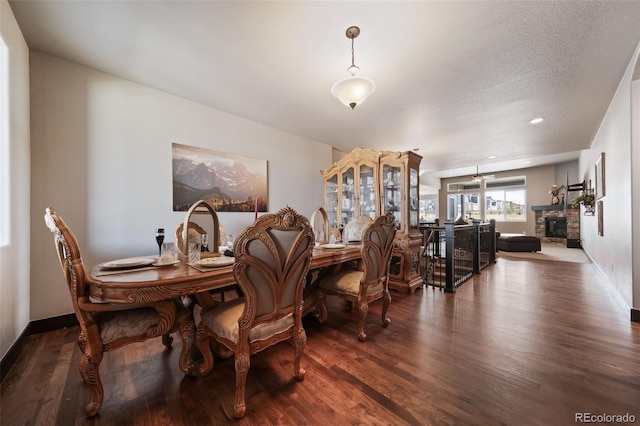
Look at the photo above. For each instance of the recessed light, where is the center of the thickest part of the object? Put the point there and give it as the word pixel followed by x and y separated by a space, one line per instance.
pixel 537 120
pixel 491 157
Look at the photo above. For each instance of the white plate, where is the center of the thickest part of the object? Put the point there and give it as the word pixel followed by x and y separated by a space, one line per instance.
pixel 333 246
pixel 161 265
pixel 127 263
pixel 216 262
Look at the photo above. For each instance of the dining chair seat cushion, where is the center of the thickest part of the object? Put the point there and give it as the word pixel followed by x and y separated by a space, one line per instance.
pixel 223 320
pixel 119 324
pixel 347 282
pixel 116 325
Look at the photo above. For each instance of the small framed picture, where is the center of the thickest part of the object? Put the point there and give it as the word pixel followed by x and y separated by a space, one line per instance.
pixel 600 183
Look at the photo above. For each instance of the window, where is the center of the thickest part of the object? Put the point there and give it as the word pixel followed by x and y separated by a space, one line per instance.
pixel 506 205
pixel 502 199
pixel 464 206
pixel 4 143
pixel 428 209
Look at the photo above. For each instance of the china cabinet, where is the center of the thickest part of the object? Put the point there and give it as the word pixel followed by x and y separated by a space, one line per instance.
pixel 400 194
pixel 351 188
pixel 370 183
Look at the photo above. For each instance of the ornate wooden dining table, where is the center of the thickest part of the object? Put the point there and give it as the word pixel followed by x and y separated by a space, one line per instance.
pixel 151 284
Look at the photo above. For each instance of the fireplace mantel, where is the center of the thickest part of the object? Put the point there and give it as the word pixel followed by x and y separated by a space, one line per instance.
pixel 548 207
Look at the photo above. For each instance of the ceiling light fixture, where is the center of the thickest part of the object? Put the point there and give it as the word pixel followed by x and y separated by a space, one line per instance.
pixel 536 120
pixel 478 178
pixel 352 91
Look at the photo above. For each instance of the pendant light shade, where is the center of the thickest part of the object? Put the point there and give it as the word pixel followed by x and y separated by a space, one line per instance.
pixel 352 91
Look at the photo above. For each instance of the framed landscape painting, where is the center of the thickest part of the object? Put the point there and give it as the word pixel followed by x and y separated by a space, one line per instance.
pixel 232 183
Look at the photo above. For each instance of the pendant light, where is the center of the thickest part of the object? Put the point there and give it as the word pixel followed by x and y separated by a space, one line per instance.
pixel 352 91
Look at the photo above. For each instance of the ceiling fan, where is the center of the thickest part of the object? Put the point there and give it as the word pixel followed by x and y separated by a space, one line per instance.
pixel 477 178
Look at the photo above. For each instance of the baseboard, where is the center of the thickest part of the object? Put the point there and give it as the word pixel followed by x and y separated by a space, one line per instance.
pixel 34 327
pixel 12 354
pixel 610 287
pixel 54 323
pixel 635 315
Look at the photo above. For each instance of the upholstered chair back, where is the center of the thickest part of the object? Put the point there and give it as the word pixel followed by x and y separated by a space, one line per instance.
pixel 378 241
pixel 272 259
pixel 354 229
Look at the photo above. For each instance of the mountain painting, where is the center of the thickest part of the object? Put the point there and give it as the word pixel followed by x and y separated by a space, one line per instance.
pixel 232 183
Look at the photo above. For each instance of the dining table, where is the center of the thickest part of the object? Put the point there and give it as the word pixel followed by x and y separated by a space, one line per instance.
pixel 148 283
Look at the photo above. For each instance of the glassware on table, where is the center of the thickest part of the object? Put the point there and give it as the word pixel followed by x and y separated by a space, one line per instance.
pixel 332 238
pixel 230 242
pixel 168 253
pixel 159 239
pixel 194 252
pixel 205 243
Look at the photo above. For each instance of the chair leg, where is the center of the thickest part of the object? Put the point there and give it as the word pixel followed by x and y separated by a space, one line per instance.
pixel 386 301
pixel 242 360
pixel 207 357
pixel 89 370
pixel 187 337
pixel 300 340
pixel 364 310
pixel 321 306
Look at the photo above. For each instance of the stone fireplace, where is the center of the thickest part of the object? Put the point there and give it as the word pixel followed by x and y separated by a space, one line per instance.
pixel 557 224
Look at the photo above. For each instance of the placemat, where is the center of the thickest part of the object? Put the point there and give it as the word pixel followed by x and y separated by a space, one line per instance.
pixel 122 271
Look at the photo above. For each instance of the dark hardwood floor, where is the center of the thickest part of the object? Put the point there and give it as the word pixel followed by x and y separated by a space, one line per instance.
pixel 526 342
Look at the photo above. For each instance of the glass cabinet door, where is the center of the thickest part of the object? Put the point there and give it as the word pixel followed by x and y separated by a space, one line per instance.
pixel 414 201
pixel 367 192
pixel 331 200
pixel 392 192
pixel 348 201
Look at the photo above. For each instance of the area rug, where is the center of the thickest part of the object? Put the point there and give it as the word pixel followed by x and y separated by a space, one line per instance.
pixel 550 251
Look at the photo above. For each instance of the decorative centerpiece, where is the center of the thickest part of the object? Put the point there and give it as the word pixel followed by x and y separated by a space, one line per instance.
pixel 555 194
pixel 588 200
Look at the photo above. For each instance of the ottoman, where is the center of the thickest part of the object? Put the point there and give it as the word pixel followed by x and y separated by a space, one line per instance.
pixel 518 242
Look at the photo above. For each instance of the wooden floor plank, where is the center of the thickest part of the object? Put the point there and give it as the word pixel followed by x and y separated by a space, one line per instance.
pixel 525 342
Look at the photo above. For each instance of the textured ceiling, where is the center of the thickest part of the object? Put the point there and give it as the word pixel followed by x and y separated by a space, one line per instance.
pixel 457 80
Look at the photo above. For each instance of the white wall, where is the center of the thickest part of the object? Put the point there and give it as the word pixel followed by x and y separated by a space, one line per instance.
pixel 101 156
pixel 14 257
pixel 612 252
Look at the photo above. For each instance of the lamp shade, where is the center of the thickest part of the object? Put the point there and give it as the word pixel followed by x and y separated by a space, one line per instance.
pixel 352 91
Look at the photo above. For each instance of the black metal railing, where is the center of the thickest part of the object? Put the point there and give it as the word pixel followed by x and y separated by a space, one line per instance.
pixel 461 250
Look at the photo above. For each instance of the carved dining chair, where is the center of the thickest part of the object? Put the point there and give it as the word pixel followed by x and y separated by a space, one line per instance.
pixel 272 260
pixel 193 234
pixel 108 326
pixel 353 230
pixel 320 224
pixel 370 281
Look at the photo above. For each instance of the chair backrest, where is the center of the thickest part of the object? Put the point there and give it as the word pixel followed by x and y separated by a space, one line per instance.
pixel 272 261
pixel 182 232
pixel 377 245
pixel 194 235
pixel 70 261
pixel 354 229
pixel 320 224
